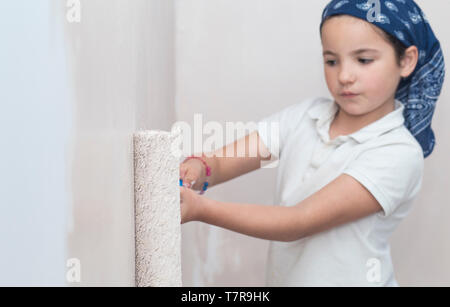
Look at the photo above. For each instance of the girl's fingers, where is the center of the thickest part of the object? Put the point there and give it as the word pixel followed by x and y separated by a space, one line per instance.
pixel 182 189
pixel 188 181
pixel 182 171
pixel 187 177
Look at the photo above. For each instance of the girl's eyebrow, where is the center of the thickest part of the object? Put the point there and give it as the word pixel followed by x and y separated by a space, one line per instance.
pixel 358 51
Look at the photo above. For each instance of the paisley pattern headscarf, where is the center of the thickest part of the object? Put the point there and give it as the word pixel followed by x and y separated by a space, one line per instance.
pixel 420 91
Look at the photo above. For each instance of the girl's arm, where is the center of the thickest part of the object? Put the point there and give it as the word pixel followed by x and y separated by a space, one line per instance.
pixel 236 159
pixel 341 201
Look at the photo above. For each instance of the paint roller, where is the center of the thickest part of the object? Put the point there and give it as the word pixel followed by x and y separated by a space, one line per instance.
pixel 157 209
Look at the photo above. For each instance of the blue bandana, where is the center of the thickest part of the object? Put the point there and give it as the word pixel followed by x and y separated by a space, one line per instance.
pixel 406 21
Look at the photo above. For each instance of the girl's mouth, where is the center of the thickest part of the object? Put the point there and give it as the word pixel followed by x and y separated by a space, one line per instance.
pixel 349 95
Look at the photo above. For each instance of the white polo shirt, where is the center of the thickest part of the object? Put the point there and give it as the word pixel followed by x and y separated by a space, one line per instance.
pixel 383 156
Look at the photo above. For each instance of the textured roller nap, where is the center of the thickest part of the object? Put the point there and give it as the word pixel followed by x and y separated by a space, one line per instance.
pixel 157 210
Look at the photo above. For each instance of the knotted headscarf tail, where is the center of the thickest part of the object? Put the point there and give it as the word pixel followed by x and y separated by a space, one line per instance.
pixel 406 21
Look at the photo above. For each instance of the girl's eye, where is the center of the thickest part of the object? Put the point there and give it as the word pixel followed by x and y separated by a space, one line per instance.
pixel 365 61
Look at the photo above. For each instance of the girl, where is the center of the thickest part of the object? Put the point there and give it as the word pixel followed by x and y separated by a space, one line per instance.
pixel 349 167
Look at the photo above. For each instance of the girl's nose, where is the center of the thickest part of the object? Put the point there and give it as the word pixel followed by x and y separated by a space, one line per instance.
pixel 346 75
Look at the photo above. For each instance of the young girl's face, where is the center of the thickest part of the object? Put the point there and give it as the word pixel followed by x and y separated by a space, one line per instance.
pixel 357 59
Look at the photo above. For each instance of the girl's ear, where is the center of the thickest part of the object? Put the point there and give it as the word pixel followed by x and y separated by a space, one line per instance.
pixel 409 61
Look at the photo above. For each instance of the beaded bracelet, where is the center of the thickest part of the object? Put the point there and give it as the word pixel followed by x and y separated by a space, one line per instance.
pixel 208 173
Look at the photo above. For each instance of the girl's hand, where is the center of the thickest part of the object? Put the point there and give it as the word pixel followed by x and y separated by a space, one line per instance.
pixel 191 205
pixel 193 174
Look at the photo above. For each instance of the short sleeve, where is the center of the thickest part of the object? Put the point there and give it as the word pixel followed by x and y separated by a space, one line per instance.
pixel 391 173
pixel 274 129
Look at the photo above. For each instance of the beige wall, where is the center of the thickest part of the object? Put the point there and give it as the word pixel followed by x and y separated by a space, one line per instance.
pixel 72 96
pixel 121 61
pixel 242 60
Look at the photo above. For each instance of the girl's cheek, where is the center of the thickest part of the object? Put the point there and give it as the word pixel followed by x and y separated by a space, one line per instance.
pixel 372 79
pixel 371 87
pixel 331 81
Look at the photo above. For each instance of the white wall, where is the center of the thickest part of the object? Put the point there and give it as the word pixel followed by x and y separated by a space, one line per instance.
pixel 121 59
pixel 242 60
pixel 72 95
pixel 35 131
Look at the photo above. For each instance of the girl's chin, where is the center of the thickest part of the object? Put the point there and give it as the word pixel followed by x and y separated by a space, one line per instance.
pixel 351 108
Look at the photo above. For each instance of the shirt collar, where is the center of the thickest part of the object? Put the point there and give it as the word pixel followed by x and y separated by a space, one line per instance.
pixel 324 111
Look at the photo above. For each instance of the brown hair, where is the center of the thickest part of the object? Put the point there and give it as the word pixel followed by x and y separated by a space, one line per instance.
pixel 398 46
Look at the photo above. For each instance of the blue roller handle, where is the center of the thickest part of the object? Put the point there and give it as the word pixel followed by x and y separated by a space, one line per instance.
pixel 204 188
